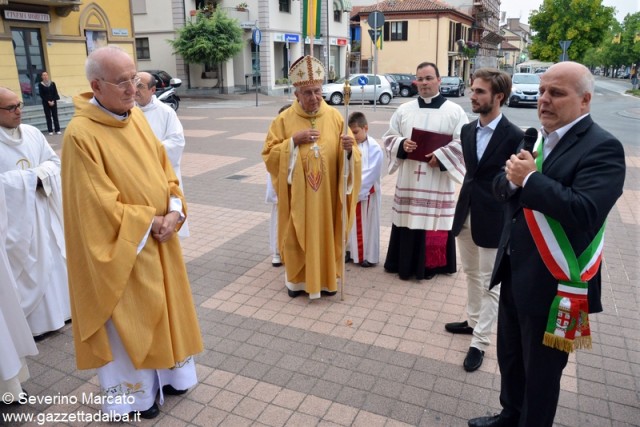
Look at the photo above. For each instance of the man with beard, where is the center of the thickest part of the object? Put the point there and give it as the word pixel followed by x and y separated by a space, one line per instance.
pixel 486 144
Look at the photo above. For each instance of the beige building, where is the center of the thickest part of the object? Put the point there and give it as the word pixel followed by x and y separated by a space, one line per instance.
pixel 415 31
pixel 265 63
pixel 56 36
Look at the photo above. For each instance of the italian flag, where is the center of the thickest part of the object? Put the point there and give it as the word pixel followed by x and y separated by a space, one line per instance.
pixel 311 18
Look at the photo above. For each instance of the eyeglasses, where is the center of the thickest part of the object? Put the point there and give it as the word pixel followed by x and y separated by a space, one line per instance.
pixel 13 108
pixel 125 84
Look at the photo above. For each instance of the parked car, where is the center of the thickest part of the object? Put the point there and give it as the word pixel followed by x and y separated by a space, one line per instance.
pixel 452 86
pixel 333 93
pixel 406 83
pixel 395 87
pixel 525 89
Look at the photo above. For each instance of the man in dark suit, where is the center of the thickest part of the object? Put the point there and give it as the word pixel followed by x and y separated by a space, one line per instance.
pixel 575 180
pixel 486 144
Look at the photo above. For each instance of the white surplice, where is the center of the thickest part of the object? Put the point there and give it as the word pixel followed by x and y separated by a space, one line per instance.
pixel 16 341
pixel 425 196
pixel 364 236
pixel 168 129
pixel 35 237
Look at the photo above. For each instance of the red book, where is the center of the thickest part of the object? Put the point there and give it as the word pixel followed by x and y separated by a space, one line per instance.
pixel 428 142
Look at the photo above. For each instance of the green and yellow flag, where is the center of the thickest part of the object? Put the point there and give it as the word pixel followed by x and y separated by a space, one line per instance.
pixel 311 10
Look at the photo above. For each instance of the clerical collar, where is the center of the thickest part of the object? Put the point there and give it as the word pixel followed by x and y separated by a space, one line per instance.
pixel 97 103
pixel 433 102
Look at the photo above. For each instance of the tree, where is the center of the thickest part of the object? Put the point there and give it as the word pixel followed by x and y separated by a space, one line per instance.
pixel 584 22
pixel 213 38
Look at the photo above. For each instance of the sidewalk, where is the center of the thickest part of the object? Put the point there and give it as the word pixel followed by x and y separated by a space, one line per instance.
pixel 381 357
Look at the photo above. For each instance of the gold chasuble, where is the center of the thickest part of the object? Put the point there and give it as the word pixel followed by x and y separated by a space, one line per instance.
pixel 309 198
pixel 116 177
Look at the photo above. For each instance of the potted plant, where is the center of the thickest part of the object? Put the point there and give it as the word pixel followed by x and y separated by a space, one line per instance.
pixel 242 6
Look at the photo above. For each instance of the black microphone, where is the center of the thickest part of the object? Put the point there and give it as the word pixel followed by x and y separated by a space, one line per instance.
pixel 529 140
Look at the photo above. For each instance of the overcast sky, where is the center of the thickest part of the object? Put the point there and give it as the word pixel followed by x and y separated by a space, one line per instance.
pixel 522 8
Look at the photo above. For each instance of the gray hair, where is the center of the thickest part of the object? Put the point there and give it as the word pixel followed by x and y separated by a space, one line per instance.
pixel 95 61
pixel 586 83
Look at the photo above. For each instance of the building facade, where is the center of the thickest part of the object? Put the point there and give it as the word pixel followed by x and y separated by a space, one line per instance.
pixel 57 36
pixel 264 64
pixel 415 31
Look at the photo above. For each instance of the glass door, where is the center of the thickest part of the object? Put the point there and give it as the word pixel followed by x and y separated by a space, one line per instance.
pixel 27 47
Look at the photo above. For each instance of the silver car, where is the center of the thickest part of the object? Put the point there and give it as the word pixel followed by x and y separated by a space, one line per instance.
pixel 525 89
pixel 364 87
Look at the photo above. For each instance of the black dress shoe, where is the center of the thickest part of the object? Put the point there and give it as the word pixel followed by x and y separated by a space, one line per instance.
pixel 459 328
pixel 171 391
pixel 493 421
pixel 150 413
pixel 347 257
pixel 473 360
pixel 366 264
pixel 294 294
pixel 328 293
pixel 430 276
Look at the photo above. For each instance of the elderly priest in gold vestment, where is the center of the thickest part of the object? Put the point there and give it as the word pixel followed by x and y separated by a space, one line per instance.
pixel 305 154
pixel 133 313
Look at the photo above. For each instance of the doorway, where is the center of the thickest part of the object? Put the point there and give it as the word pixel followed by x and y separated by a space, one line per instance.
pixel 27 47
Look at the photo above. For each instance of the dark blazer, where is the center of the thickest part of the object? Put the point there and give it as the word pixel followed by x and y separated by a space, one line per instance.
pixel 48 93
pixel 476 194
pixel 580 182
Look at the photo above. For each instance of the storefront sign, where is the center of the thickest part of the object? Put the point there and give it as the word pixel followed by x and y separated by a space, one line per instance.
pixel 27 16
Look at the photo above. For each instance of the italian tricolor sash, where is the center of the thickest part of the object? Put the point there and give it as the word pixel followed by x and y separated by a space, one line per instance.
pixel 568 322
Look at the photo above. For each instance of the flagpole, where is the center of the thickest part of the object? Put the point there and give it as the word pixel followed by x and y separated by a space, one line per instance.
pixel 345 175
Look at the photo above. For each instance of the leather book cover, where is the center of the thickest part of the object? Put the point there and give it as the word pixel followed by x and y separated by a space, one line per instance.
pixel 428 142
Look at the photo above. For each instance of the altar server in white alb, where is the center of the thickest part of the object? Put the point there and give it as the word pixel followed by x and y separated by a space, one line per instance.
pixel 16 341
pixel 364 236
pixel 30 172
pixel 165 125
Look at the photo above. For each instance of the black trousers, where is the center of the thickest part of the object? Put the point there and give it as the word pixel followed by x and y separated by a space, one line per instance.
pixel 49 113
pixel 530 371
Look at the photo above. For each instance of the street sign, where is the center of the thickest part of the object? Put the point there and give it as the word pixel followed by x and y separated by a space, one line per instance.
pixel 363 80
pixel 375 35
pixel 295 38
pixel 375 19
pixel 256 36
pixel 564 44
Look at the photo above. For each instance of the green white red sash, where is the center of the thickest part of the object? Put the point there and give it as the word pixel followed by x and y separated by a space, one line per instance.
pixel 568 322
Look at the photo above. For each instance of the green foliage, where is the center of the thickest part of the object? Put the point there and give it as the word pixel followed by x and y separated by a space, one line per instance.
pixel 212 39
pixel 584 22
pixel 610 54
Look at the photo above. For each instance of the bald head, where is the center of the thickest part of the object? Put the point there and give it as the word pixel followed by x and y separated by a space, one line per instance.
pixel 566 89
pixel 580 75
pixel 146 88
pixel 111 73
pixel 9 119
